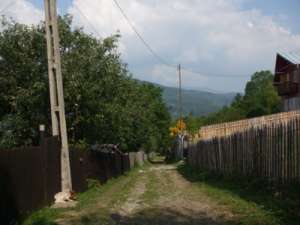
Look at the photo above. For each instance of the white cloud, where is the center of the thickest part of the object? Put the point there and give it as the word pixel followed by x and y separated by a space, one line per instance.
pixel 169 76
pixel 21 10
pixel 215 37
pixel 250 25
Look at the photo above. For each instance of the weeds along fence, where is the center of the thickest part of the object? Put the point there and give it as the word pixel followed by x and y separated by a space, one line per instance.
pixel 265 147
pixel 30 176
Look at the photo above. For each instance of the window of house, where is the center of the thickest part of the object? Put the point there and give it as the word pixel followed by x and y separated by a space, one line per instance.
pixel 284 78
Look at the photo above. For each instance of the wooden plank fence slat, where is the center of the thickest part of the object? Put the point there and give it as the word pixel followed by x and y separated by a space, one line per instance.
pixel 266 147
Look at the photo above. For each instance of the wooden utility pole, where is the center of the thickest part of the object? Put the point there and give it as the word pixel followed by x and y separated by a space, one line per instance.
pixel 59 127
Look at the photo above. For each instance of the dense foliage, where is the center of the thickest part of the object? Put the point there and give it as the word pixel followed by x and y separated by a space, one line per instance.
pixel 260 99
pixel 103 103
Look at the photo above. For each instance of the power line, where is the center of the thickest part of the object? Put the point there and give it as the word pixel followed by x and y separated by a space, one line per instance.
pixel 88 21
pixel 148 46
pixel 8 6
pixel 82 14
pixel 159 58
pixel 213 75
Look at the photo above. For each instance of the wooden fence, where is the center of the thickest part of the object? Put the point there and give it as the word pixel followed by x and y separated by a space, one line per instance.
pixel 226 129
pixel 266 147
pixel 30 176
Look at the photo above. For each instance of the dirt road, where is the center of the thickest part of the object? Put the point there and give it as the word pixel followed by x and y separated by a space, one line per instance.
pixel 163 196
pixel 156 195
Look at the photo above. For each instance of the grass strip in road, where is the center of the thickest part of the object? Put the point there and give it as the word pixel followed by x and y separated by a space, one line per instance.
pixel 151 194
pixel 253 202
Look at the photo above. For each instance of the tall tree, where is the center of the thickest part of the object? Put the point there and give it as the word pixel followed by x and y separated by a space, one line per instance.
pixel 103 103
pixel 260 99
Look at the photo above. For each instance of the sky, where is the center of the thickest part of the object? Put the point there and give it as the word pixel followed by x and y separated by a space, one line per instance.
pixel 224 41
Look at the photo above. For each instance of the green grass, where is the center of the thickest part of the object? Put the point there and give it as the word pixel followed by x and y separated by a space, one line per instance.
pixel 151 192
pixel 45 216
pixel 110 194
pixel 253 201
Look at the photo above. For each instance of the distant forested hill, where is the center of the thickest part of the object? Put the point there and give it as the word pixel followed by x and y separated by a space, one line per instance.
pixel 196 102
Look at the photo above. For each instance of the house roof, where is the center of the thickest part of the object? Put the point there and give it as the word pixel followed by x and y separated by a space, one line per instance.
pixel 293 57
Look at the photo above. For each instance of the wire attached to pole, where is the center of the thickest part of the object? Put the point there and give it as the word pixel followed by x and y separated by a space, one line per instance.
pixel 8 6
pixel 158 57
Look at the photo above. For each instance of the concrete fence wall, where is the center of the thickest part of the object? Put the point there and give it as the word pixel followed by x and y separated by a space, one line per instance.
pixel 132 159
pixel 137 158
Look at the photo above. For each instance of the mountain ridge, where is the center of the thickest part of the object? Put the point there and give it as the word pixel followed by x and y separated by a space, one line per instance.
pixel 195 102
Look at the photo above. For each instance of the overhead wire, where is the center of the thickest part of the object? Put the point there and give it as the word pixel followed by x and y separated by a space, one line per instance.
pixel 214 75
pixel 88 21
pixel 159 58
pixel 8 6
pixel 146 44
pixel 152 51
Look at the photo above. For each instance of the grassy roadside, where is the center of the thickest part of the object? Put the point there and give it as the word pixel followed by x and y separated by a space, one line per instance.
pixel 254 202
pixel 93 205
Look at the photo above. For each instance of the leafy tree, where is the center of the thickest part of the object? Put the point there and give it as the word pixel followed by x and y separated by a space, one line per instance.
pixel 23 96
pixel 260 96
pixel 103 103
pixel 260 99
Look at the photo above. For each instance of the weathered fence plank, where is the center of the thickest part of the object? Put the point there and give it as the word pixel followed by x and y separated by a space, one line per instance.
pixel 266 147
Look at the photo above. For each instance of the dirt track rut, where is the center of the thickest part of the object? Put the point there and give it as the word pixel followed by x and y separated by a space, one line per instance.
pixel 157 195
pixel 170 199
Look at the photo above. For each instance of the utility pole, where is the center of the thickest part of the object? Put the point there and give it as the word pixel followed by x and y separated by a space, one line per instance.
pixel 179 153
pixel 179 95
pixel 58 118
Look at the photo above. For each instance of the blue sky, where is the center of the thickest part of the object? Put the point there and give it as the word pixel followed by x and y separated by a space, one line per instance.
pixel 285 12
pixel 222 39
pixel 63 5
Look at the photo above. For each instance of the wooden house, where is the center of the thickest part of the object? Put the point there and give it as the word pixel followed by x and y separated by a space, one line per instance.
pixel 287 80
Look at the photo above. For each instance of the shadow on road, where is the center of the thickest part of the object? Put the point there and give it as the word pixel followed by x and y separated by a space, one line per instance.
pixel 166 216
pixel 281 201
